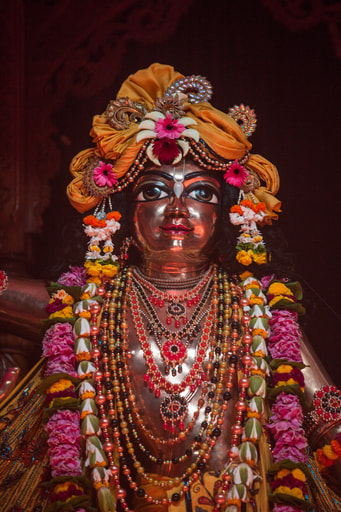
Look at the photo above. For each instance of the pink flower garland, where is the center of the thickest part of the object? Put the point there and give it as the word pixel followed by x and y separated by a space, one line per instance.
pixel 285 333
pixel 64 443
pixel 63 426
pixel 285 422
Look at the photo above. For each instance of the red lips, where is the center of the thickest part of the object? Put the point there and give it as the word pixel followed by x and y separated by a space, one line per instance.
pixel 176 228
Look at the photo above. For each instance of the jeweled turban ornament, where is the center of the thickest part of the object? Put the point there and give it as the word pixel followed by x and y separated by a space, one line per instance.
pixel 159 117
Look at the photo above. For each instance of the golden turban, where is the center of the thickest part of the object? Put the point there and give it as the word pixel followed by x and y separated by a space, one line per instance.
pixel 223 135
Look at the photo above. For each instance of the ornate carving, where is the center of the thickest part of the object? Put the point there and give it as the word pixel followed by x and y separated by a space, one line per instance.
pixel 123 111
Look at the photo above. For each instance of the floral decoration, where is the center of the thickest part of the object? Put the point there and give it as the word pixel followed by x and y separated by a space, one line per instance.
pixel 169 134
pixel 174 351
pixel 100 260
pixel 289 491
pixel 71 412
pixel 236 174
pixel 329 454
pixel 103 175
pixel 250 246
pixel 243 470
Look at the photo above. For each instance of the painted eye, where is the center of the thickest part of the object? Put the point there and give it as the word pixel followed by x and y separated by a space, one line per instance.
pixel 204 194
pixel 150 192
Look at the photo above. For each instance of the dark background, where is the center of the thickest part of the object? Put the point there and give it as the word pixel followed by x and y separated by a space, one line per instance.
pixel 281 58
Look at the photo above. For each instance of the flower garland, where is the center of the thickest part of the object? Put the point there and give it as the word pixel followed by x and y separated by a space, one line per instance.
pixel 242 469
pixel 70 415
pixel 67 345
pixel 250 246
pixel 289 473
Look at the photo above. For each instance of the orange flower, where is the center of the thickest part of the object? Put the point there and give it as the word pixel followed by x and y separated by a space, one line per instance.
pixel 328 451
pixel 322 459
pixel 247 203
pixel 114 215
pixel 259 332
pixel 236 209
pixel 259 207
pixel 91 220
pixel 336 447
pixel 245 274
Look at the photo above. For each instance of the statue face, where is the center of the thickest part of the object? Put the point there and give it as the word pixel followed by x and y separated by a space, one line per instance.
pixel 175 213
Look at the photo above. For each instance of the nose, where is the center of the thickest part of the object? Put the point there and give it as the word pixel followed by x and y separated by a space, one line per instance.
pixel 177 208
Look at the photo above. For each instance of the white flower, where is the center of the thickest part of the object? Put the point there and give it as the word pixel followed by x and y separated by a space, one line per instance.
pixel 243 474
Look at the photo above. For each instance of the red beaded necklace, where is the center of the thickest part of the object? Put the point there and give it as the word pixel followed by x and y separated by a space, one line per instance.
pixel 113 381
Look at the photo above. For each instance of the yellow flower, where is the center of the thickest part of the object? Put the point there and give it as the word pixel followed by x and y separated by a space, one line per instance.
pixel 278 298
pixel 259 332
pixel 83 356
pixel 245 275
pixel 328 451
pixel 85 314
pixel 93 268
pixel 284 368
pixel 279 289
pixel 98 485
pixel 282 473
pixel 292 492
pixel 257 238
pixel 68 300
pixel 299 475
pixel 252 284
pixel 87 394
pixel 244 257
pixel 255 299
pixel 95 280
pixel 94 248
pixel 85 296
pixel 64 313
pixel 259 258
pixel 109 270
pixel 60 385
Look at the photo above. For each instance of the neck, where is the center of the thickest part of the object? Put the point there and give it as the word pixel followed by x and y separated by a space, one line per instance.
pixel 174 270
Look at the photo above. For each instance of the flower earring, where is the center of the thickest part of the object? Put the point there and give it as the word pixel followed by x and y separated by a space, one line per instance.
pixel 100 260
pixel 250 246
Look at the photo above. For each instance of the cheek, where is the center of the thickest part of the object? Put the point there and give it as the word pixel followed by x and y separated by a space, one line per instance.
pixel 146 220
pixel 204 221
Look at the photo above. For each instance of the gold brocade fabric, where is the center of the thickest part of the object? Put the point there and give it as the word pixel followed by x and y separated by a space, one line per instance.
pixel 202 494
pixel 23 448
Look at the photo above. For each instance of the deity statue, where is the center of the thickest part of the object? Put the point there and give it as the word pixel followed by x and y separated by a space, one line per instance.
pixel 175 374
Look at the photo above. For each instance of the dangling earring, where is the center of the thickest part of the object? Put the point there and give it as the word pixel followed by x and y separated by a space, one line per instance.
pixel 100 260
pixel 250 245
pixel 123 257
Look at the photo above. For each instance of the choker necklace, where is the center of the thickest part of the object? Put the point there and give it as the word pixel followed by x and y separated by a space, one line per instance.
pixel 176 310
pixel 169 284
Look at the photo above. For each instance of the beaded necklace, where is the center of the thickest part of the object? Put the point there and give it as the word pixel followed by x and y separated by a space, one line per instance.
pixel 117 408
pixel 175 309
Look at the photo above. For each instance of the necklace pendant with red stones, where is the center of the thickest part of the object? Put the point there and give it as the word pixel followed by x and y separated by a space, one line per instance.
pixel 173 411
pixel 173 353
